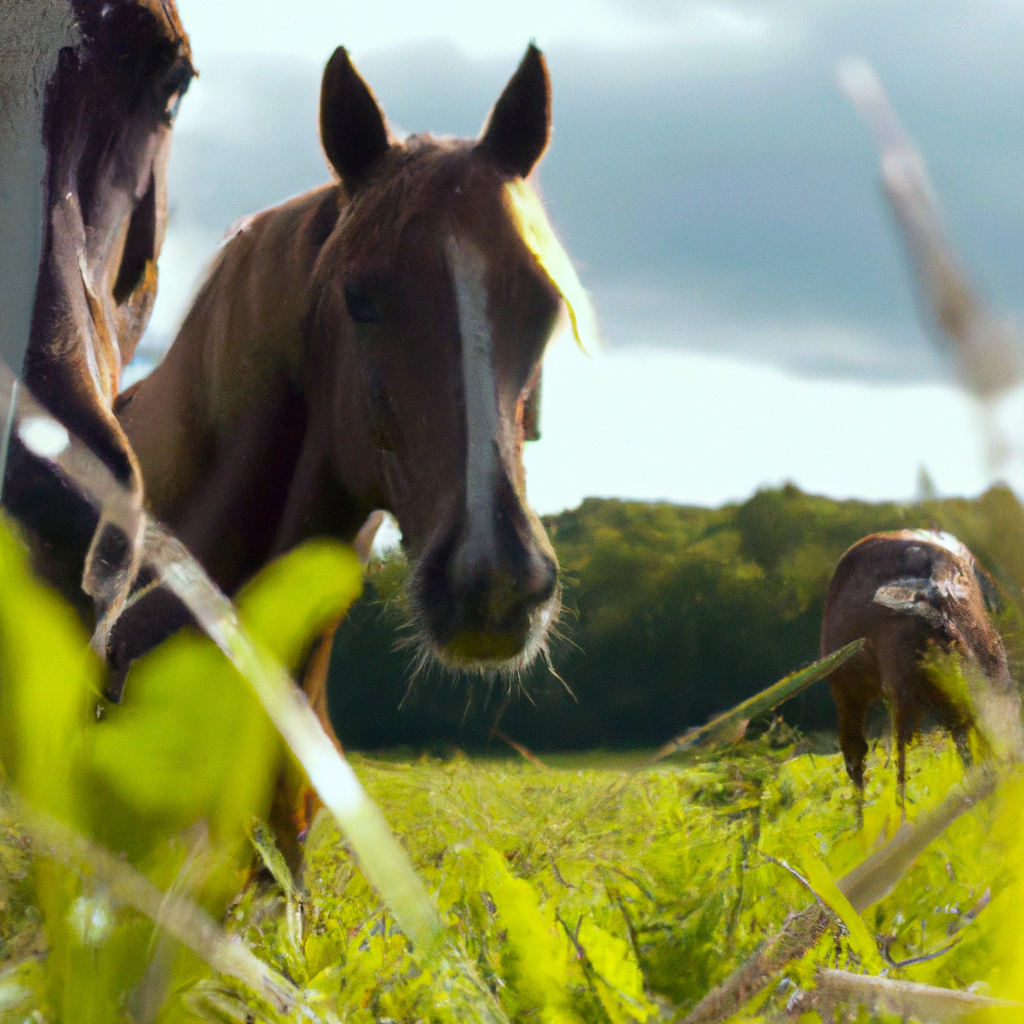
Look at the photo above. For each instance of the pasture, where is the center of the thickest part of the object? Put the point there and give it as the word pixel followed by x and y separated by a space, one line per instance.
pixel 576 902
pixel 588 887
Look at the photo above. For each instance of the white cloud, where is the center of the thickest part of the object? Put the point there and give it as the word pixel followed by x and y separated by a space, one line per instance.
pixel 313 27
pixel 700 429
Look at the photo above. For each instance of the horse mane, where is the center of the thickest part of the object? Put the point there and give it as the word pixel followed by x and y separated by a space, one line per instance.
pixel 417 177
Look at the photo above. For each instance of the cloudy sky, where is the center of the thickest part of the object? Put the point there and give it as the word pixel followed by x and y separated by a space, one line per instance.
pixel 718 194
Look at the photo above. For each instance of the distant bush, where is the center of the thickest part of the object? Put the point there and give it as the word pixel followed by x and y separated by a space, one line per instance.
pixel 673 613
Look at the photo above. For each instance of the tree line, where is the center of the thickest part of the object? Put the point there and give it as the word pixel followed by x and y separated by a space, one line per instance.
pixel 672 614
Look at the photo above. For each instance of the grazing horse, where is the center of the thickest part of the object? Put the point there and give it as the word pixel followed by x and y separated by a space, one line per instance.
pixel 907 592
pixel 372 344
pixel 108 103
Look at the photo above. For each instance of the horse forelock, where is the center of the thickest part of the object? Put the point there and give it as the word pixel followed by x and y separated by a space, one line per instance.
pixel 160 21
pixel 423 177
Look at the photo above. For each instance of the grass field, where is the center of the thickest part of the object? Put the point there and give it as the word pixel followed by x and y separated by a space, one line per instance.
pixel 580 893
pixel 581 889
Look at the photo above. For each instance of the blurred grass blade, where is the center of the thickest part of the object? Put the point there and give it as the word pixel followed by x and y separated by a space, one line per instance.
pixel 273 860
pixel 384 862
pixel 179 916
pixel 875 877
pixel 905 999
pixel 725 726
pixel 381 859
pixel 150 994
pixel 989 350
pixel 832 895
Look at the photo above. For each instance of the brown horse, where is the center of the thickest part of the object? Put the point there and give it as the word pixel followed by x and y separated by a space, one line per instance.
pixel 372 344
pixel 907 593
pixel 109 103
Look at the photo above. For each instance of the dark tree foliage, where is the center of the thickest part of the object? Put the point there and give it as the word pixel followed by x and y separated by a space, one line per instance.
pixel 672 614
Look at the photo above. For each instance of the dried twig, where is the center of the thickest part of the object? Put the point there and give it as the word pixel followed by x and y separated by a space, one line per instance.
pixel 867 883
pixel 905 999
pixel 964 920
pixel 523 751
pixel 725 726
pixel 923 959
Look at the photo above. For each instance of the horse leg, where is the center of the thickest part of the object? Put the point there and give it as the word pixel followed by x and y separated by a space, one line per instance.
pixel 852 716
pixel 901 775
pixel 295 801
pixel 961 733
pixel 314 679
pixel 901 683
pixel 905 722
pixel 854 687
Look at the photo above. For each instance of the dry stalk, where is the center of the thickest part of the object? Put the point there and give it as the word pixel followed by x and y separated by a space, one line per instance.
pixel 906 999
pixel 730 725
pixel 867 883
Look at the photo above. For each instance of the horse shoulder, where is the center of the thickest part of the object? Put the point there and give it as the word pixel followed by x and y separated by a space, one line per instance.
pixel 242 332
pixel 250 321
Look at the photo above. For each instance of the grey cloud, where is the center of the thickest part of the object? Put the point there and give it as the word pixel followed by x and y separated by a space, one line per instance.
pixel 725 200
pixel 250 141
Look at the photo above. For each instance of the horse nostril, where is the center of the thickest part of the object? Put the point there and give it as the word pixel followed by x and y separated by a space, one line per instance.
pixel 487 604
pixel 510 600
pixel 498 598
pixel 541 582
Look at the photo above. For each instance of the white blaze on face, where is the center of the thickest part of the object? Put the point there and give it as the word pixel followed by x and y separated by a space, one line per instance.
pixel 944 540
pixel 468 269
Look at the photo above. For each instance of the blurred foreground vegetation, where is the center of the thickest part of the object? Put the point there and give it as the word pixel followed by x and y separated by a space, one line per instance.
pixel 582 889
pixel 579 902
pixel 672 614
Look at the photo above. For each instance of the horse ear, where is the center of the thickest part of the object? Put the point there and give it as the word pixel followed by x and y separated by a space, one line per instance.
pixel 517 132
pixel 352 127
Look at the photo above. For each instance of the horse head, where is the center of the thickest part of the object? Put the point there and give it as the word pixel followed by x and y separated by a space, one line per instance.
pixel 429 318
pixel 109 105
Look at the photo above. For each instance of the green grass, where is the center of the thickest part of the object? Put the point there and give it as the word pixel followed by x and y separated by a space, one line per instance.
pixel 585 889
pixel 573 905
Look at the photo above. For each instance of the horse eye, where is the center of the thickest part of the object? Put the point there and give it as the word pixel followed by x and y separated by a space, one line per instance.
pixel 171 108
pixel 173 86
pixel 360 306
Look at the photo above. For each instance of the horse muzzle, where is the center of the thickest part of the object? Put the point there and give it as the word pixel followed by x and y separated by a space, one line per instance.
pixel 488 602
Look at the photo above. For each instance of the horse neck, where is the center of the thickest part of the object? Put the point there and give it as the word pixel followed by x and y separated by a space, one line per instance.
pixel 219 426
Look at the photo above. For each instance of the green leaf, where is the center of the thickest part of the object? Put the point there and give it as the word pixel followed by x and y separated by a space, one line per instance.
pixel 171 754
pixel 191 742
pixel 862 942
pixel 47 677
pixel 535 955
pixel 618 979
